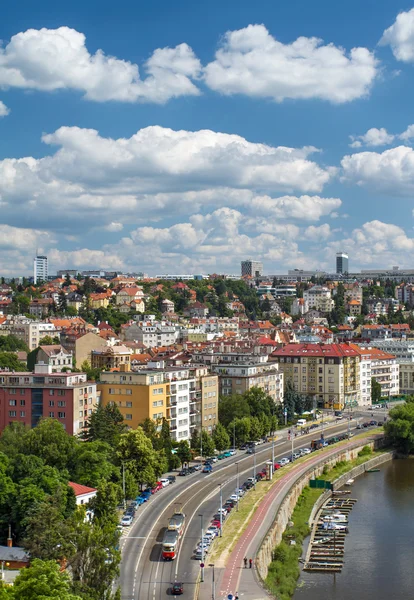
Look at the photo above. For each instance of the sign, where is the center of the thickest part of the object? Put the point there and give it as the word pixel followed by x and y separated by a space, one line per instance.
pixel 202 565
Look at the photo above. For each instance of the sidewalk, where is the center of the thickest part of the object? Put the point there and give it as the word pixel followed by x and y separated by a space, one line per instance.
pixel 234 577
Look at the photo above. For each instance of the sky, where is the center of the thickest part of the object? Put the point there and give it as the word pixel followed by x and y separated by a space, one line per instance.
pixel 184 137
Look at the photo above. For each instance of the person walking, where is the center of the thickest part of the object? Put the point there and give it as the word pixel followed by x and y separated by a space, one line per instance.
pixel 250 563
pixel 245 562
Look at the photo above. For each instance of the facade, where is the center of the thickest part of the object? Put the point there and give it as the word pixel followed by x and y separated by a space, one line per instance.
pixel 40 270
pixel 205 412
pixel 238 379
pixel 385 370
pixel 342 265
pixel 300 306
pixel 27 397
pixel 406 374
pixel 28 332
pixel 330 373
pixel 151 336
pixel 111 357
pixel 251 268
pixel 81 345
pixel 319 298
pixel 55 357
pixel 168 393
pixel 83 493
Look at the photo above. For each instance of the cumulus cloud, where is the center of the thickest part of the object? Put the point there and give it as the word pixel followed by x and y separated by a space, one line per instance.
pixel 317 234
pixel 252 62
pixel 307 208
pixel 408 134
pixel 55 59
pixel 391 171
pixel 114 227
pixel 4 111
pixel 400 36
pixel 373 137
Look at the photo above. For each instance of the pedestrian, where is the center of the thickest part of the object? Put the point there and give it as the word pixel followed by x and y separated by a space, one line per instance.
pixel 245 562
pixel 250 563
pixel 236 597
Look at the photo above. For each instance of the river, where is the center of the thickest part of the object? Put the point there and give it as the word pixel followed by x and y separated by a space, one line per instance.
pixel 379 549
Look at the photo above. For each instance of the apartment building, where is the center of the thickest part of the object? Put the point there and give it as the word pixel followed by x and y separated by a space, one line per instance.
pixel 153 393
pixel 330 373
pixel 403 350
pixel 251 268
pixel 384 369
pixel 319 298
pixel 111 357
pixel 56 357
pixel 27 397
pixel 81 344
pixel 154 335
pixel 204 412
pixel 240 378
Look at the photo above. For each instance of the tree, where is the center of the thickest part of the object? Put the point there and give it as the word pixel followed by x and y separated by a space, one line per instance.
pixel 400 427
pixel 232 407
pixel 375 391
pixel 48 340
pixel 221 437
pixel 195 440
pixel 208 444
pixel 92 464
pixel 51 443
pixel 184 452
pixel 242 429
pixel 11 343
pixel 106 424
pixel 92 374
pixel 255 428
pixel 43 580
pixel 136 452
pixel 104 504
pixel 9 361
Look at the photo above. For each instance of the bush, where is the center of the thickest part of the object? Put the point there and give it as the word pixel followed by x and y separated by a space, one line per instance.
pixel 366 450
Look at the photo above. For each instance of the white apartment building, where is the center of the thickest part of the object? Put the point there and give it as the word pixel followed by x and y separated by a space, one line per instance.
pixel 384 369
pixel 238 379
pixel 300 306
pixel 154 335
pixel 403 350
pixel 319 298
pixel 40 271
pixel 183 402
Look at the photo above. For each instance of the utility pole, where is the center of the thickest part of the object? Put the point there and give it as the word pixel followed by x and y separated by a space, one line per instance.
pixel 213 584
pixel 237 486
pixel 221 514
pixel 254 467
pixel 234 435
pixel 123 482
pixel 273 453
pixel 202 550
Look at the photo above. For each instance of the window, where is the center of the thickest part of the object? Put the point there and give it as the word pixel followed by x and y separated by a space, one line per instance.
pixel 61 392
pixel 22 413
pixel 111 391
pixel 52 414
pixel 22 402
pixel 12 391
pixel 12 402
pixel 51 392
pixel 12 413
pixel 128 392
pixel 128 417
pixel 81 413
pixel 22 392
pixel 51 403
pixel 61 403
pixel 61 415
pixel 128 404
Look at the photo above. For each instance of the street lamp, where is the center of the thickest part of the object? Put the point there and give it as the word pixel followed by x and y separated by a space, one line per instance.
pixel 254 467
pixel 234 435
pixel 213 584
pixel 202 550
pixel 237 486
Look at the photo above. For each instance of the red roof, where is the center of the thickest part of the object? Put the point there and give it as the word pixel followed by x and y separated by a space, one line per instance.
pixel 334 350
pixel 80 490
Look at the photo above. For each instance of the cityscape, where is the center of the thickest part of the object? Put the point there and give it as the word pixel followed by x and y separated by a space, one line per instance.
pixel 206 301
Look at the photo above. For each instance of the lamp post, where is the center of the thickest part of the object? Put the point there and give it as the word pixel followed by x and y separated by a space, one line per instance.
pixel 254 467
pixel 213 584
pixel 234 435
pixel 202 550
pixel 221 514
pixel 237 486
pixel 123 482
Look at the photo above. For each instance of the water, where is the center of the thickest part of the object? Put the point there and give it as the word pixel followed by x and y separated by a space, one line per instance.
pixel 379 549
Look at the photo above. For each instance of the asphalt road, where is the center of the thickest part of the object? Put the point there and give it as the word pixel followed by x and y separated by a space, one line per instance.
pixel 144 574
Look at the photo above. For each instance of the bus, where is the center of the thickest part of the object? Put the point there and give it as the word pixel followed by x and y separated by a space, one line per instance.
pixel 170 544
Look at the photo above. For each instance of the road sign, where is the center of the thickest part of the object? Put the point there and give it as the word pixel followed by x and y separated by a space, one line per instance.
pixel 230 597
pixel 202 565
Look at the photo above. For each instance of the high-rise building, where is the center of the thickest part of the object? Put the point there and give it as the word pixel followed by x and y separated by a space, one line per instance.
pixel 40 269
pixel 342 262
pixel 253 268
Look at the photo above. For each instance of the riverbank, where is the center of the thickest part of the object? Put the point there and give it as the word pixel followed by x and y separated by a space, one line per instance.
pixel 284 570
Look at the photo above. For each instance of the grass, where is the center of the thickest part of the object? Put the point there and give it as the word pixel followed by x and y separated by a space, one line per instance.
pixel 284 570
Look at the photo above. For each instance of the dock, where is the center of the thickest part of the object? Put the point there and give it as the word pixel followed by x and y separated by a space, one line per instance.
pixel 326 548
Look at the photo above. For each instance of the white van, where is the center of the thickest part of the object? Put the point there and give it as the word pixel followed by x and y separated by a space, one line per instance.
pixel 301 422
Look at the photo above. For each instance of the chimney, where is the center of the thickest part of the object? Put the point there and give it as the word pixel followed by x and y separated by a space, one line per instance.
pixel 9 539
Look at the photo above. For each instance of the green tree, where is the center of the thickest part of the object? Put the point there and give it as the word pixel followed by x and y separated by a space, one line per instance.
pixel 43 580
pixel 221 437
pixel 9 361
pixel 92 464
pixel 104 504
pixel 136 452
pixel 242 428
pixel 51 443
pixel 195 441
pixel 48 340
pixel 184 452
pixel 375 391
pixel 105 424
pixel 399 429
pixel 208 444
pixel 11 343
pixel 255 428
pixel 232 407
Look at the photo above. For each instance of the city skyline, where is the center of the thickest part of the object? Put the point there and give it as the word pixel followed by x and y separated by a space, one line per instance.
pixel 155 139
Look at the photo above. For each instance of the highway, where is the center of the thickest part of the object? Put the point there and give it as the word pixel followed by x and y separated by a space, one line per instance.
pixel 144 574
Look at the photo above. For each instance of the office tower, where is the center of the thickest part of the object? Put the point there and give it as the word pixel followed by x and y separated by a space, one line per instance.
pixel 342 262
pixel 252 268
pixel 40 269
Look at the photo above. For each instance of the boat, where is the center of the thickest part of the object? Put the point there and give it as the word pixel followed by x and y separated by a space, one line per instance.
pixel 372 471
pixel 350 482
pixel 336 518
pixel 340 492
pixel 322 541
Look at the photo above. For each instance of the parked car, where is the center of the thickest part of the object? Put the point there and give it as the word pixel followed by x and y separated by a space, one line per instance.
pixel 126 521
pixel 306 451
pixel 171 478
pixel 284 461
pixel 221 456
pixel 233 451
pixel 165 481
pixel 276 466
pixel 213 459
pixel 183 472
pixel 139 500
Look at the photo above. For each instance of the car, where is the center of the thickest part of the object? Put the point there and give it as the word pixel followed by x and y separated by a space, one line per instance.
pixel 221 456
pixel 284 461
pixel 213 529
pixel 296 455
pixel 164 482
pixel 209 535
pixel 197 467
pixel 306 451
pixel 171 478
pixel 223 511
pixel 216 523
pixel 198 555
pixel 126 521
pixel 130 511
pixel 227 454
pixel 242 447
pixel 213 459
pixel 250 450
pixel 191 469
pixel 380 423
pixel 373 423
pixel 233 451
pixel 177 589
pixel 139 500
pixel 235 497
pixel 183 473
pixel 359 426
pixel 207 468
pixel 216 517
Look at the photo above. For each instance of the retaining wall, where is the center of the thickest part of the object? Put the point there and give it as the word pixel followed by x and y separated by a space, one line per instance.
pixel 282 517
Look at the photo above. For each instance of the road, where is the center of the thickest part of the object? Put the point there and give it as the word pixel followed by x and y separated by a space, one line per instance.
pixel 144 574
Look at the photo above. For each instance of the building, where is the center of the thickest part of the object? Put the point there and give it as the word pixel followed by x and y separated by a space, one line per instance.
pixel 251 268
pixel 403 350
pixel 240 378
pixel 40 271
pixel 353 307
pixel 152 336
pixel 342 263
pixel 83 493
pixel 81 344
pixel 300 306
pixel 55 357
pixel 153 393
pixel 319 298
pixel 111 357
pixel 27 397
pixel 330 373
pixel 384 369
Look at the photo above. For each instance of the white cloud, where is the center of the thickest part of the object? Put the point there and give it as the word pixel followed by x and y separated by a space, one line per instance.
pixel 373 137
pixel 252 62
pixel 318 234
pixel 408 134
pixel 307 208
pixel 53 59
pixel 4 110
pixel 391 171
pixel 114 227
pixel 400 36
pixel 23 239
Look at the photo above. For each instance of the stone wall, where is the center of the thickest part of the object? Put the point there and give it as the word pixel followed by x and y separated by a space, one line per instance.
pixel 274 535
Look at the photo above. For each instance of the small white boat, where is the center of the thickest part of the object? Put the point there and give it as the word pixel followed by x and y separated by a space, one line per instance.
pixel 350 482
pixel 336 518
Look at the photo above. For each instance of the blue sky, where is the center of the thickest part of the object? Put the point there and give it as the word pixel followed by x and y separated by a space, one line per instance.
pixel 184 137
